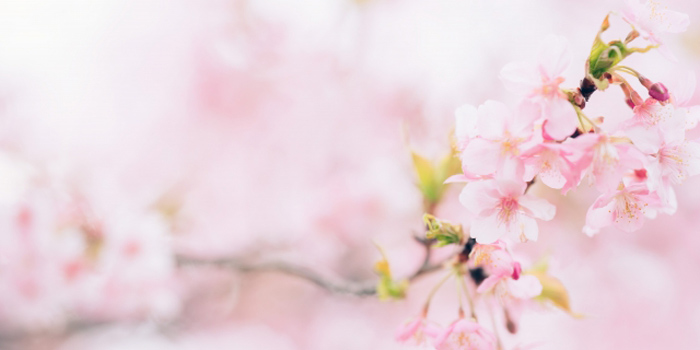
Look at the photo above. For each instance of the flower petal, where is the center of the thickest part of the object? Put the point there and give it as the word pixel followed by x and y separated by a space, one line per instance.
pixel 520 77
pixel 493 117
pixel 561 116
pixel 526 227
pixel 478 196
pixel 554 55
pixel 487 229
pixel 538 207
pixel 599 215
pixel 481 157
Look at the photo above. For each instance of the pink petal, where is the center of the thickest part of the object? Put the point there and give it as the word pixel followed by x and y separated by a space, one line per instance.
pixel 526 227
pixel 526 287
pixel 493 117
pixel 460 178
pixel 553 176
pixel 522 124
pixel 479 196
pixel 510 188
pixel 481 157
pixel 648 140
pixel 487 229
pixel 538 207
pixel 489 282
pixel 562 120
pixel 554 55
pixel 674 22
pixel 692 162
pixel 599 215
pixel 407 331
pixel 520 77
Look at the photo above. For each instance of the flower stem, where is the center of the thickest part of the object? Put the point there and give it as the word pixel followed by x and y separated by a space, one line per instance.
pixel 495 329
pixel 463 286
pixel 434 290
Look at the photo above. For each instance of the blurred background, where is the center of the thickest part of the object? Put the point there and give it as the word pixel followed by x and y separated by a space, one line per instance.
pixel 133 133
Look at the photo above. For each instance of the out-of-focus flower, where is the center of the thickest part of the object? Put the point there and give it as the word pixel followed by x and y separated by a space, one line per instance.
pixel 416 331
pixel 650 19
pixel 465 335
pixel 502 208
pixel 539 81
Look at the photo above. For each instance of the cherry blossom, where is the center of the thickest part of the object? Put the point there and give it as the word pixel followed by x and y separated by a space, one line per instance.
pixel 497 263
pixel 549 161
pixel 505 276
pixel 539 82
pixel 465 335
pixel 607 159
pixel 502 134
pixel 624 208
pixel 651 19
pixel 416 331
pixel 501 208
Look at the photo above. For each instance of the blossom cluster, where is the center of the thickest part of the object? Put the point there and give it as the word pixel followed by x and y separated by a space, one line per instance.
pixel 548 138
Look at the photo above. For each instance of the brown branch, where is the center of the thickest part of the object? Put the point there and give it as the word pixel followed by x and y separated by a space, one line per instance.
pixel 354 289
pixel 304 273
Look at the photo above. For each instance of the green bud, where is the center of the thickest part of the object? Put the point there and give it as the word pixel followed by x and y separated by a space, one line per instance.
pixel 443 232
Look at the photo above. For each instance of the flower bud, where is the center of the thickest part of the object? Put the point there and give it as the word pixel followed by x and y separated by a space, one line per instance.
pixel 517 269
pixel 645 82
pixel 659 92
pixel 511 326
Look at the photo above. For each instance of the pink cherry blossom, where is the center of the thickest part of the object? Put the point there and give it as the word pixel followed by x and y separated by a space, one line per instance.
pixel 497 263
pixel 465 335
pixel 539 81
pixel 624 208
pixel 501 208
pixel 682 91
pixel 652 113
pixel 607 159
pixel 651 19
pixel 502 134
pixel 505 276
pixel 549 161
pixel 416 331
pixel 672 158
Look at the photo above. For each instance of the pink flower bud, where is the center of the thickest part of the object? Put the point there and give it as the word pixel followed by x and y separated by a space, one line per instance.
pixel 645 82
pixel 517 269
pixel 659 92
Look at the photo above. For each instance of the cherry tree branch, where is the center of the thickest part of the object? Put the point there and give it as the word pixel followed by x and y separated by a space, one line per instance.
pixel 359 289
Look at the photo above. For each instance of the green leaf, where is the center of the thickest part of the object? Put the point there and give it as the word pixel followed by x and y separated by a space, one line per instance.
pixel 426 174
pixel 431 177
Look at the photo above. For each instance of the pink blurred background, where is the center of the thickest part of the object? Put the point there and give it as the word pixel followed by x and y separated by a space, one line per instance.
pixel 135 132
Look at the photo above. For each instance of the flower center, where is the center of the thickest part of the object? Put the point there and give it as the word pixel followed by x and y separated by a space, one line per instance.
pixel 508 208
